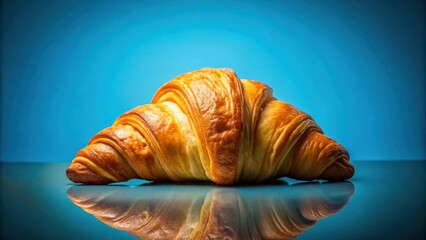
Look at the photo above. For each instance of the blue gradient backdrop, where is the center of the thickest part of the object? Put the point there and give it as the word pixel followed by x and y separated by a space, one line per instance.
pixel 69 68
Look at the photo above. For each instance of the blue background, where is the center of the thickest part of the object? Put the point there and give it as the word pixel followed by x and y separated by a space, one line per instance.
pixel 70 68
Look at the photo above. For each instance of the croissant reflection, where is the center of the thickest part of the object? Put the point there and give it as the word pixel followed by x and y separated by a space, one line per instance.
pixel 160 211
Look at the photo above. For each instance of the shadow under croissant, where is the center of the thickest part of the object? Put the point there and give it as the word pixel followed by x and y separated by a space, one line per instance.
pixel 169 211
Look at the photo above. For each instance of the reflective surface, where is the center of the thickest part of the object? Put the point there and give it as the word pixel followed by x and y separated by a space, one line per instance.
pixel 383 200
pixel 275 211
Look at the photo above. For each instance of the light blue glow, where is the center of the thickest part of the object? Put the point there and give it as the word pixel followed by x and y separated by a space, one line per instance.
pixel 70 68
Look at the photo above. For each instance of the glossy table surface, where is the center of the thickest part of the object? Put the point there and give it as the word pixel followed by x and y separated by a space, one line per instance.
pixel 384 200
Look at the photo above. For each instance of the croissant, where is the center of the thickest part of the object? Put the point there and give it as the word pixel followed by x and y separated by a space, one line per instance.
pixel 208 212
pixel 208 125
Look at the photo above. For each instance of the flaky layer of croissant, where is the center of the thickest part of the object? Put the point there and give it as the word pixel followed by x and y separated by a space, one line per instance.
pixel 209 125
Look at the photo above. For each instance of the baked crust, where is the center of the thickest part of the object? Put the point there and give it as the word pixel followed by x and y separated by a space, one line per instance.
pixel 208 125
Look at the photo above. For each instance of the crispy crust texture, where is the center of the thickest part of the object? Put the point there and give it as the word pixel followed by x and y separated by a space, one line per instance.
pixel 208 125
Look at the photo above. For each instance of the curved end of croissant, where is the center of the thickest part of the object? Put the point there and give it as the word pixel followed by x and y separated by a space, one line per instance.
pixel 79 173
pixel 339 170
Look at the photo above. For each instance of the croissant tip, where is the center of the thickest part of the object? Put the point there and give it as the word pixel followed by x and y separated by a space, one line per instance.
pixel 79 173
pixel 340 170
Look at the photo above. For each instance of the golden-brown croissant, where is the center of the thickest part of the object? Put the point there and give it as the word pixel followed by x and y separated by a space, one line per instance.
pixel 207 212
pixel 209 125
